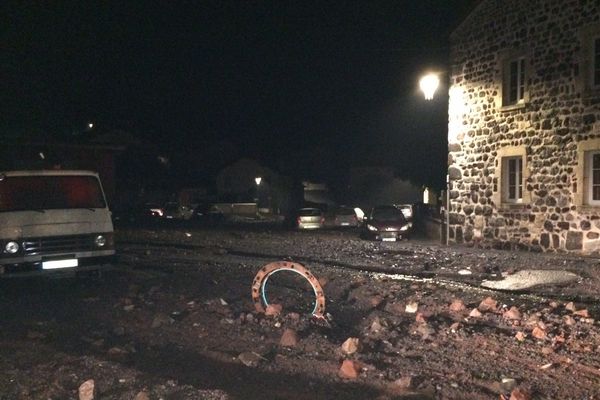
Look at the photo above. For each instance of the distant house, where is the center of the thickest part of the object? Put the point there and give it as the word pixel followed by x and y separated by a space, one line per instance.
pixel 524 126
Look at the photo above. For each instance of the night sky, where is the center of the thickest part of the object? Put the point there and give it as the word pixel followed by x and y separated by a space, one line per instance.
pixel 309 88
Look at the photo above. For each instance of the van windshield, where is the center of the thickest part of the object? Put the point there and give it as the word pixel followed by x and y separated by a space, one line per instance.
pixel 19 193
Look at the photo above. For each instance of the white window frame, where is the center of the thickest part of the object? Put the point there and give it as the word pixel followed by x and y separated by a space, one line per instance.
pixel 515 81
pixel 516 164
pixel 589 175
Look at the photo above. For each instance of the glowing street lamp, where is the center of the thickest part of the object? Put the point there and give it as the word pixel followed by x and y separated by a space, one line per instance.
pixel 90 125
pixel 429 84
pixel 258 180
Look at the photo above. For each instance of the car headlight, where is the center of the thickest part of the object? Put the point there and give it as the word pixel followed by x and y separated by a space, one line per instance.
pixel 11 247
pixel 404 228
pixel 100 241
pixel 371 228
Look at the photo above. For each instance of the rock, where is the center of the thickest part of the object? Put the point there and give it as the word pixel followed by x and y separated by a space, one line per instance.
pixel 570 306
pixel 570 321
pixel 87 390
pixel 161 320
pixel 375 325
pixel 250 358
pixel 508 384
pixel 512 314
pixel 457 305
pixel 117 351
pixel 349 369
pixel 475 313
pixel 141 396
pixel 455 327
pixel 488 304
pixel 375 301
pixel 538 333
pixel 464 272
pixel 273 310
pixel 547 350
pixel 350 346
pixel 582 313
pixel 289 338
pixel 425 331
pixel 520 336
pixel 129 307
pixel 420 318
pixel 519 394
pixel 412 307
pixel 402 384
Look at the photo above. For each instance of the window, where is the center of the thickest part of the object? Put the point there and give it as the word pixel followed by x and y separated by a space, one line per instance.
pixel 512 179
pixel 514 88
pixel 592 165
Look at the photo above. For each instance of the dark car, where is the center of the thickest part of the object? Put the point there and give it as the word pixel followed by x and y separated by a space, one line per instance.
pixel 386 223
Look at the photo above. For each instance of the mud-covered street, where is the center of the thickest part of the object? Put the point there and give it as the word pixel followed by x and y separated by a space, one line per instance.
pixel 175 320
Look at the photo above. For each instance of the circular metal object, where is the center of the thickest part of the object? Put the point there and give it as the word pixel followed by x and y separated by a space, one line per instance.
pixel 260 281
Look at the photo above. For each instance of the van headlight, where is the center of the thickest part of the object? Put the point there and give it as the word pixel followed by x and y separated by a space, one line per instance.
pixel 100 241
pixel 11 247
pixel 371 228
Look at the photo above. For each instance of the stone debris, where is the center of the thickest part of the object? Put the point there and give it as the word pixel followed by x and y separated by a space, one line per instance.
pixel 273 310
pixel 570 306
pixel 512 314
pixel 457 305
pixel 519 394
pixel 142 396
pixel 161 320
pixel 538 333
pixel 349 370
pixel 411 307
pixel 250 358
pixel 488 305
pixel 475 313
pixel 520 336
pixel 289 338
pixel 508 384
pixel 87 390
pixel 582 313
pixel 350 346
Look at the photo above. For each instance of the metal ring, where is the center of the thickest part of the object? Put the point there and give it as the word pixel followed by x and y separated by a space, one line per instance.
pixel 260 280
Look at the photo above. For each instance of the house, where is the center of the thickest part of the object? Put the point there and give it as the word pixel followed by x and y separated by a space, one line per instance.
pixel 524 126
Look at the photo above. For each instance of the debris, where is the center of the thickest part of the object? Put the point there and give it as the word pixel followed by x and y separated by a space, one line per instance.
pixel 250 358
pixel 375 325
pixel 411 307
pixel 401 384
pixel 547 366
pixel 142 396
pixel 350 346
pixel 464 272
pixel 570 306
pixel 475 313
pixel 520 336
pixel 258 285
pixel 289 338
pixel 457 305
pixel 376 301
pixel 488 304
pixel 129 307
pixel 508 384
pixel 223 302
pixel 161 319
pixel 273 310
pixel 538 333
pixel 87 390
pixel 512 314
pixel 569 320
pixel 582 313
pixel 519 394
pixel 349 369
pixel 420 318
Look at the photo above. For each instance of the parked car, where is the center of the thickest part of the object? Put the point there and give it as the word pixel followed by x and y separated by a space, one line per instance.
pixel 407 210
pixel 310 218
pixel 386 223
pixel 345 216
pixel 208 213
pixel 177 211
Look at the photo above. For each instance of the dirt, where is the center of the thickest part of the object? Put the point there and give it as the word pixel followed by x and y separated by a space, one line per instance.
pixel 175 320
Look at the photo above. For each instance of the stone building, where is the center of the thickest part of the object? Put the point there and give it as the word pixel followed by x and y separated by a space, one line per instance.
pixel 524 126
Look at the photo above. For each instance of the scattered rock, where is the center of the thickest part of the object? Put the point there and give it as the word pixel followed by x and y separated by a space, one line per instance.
pixel 87 390
pixel 420 318
pixel 142 396
pixel 488 304
pixel 570 306
pixel 349 369
pixel 538 333
pixel 520 336
pixel 273 310
pixel 250 358
pixel 161 320
pixel 512 314
pixel 475 313
pixel 508 384
pixel 464 272
pixel 289 338
pixel 457 305
pixel 425 331
pixel 375 325
pixel 519 394
pixel 350 346
pixel 570 321
pixel 547 350
pixel 375 301
pixel 412 307
pixel 129 307
pixel 455 327
pixel 401 385
pixel 582 313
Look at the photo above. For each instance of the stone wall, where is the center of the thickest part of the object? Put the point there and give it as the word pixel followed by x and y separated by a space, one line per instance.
pixel 558 117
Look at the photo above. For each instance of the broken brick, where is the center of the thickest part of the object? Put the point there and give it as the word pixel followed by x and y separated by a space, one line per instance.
pixel 349 369
pixel 570 306
pixel 520 336
pixel 475 313
pixel 350 346
pixel 457 305
pixel 488 304
pixel 582 313
pixel 538 333
pixel 87 390
pixel 512 314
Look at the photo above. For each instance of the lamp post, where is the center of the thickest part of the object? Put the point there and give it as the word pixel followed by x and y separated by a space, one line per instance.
pixel 429 84
pixel 257 180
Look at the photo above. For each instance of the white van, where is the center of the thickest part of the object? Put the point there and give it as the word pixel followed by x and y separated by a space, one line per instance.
pixel 53 221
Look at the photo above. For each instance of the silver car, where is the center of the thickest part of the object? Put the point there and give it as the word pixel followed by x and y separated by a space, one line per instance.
pixel 310 218
pixel 345 216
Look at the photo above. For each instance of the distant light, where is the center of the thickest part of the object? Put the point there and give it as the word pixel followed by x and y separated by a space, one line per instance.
pixel 426 196
pixel 42 156
pixel 258 180
pixel 90 125
pixel 429 84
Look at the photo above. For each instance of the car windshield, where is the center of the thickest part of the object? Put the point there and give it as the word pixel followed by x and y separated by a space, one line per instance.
pixel 309 212
pixel 387 214
pixel 19 193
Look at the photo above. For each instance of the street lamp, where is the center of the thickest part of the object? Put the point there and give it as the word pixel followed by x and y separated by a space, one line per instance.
pixel 90 125
pixel 258 180
pixel 429 84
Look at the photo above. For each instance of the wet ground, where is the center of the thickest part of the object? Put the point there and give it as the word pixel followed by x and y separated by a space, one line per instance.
pixel 175 320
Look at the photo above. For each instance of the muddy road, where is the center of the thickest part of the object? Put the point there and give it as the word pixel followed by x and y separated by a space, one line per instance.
pixel 175 320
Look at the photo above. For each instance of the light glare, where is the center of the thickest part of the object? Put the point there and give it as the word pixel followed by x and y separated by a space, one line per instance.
pixel 429 84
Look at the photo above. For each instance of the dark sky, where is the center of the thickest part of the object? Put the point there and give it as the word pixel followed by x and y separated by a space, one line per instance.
pixel 310 88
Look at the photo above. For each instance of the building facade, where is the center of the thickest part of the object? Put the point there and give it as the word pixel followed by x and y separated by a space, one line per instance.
pixel 524 126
